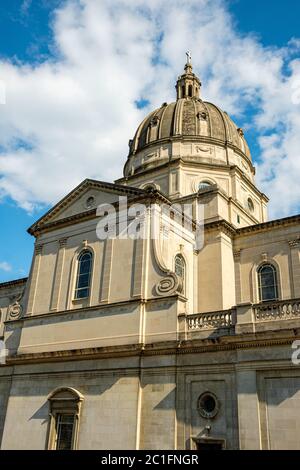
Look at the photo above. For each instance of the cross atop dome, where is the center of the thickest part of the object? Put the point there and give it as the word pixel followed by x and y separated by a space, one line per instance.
pixel 189 57
pixel 188 85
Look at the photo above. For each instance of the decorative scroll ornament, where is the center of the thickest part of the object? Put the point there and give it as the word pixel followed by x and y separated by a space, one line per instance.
pixel 170 284
pixel 15 310
pixel 203 149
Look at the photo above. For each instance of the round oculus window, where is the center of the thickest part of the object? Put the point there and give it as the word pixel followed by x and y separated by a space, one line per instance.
pixel 208 405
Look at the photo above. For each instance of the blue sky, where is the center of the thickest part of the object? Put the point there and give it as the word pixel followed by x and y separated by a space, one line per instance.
pixel 63 121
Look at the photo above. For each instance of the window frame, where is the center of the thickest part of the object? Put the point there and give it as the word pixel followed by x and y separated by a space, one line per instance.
pixel 58 425
pixel 64 401
pixel 78 274
pixel 183 267
pixel 275 284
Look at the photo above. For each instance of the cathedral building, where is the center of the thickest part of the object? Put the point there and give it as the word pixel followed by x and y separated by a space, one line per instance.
pixel 183 336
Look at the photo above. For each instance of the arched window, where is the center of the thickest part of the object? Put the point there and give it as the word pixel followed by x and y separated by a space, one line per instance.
pixel 84 272
pixel 190 91
pixel 204 185
pixel 267 283
pixel 149 186
pixel 180 269
pixel 250 204
pixel 183 91
pixel 65 406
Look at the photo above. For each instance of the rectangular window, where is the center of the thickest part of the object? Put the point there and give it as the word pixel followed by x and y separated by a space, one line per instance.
pixel 64 431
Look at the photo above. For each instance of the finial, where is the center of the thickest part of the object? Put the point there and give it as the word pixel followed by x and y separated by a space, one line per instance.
pixel 188 84
pixel 189 58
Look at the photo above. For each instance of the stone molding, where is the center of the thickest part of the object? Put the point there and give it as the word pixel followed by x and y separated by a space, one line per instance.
pixel 224 343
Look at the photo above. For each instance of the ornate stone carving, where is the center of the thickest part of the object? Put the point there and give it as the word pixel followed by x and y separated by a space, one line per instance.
pixel 203 149
pixel 188 119
pixel 202 115
pixel 62 242
pixel 237 254
pixel 15 310
pixel 154 121
pixel 152 155
pixel 294 243
pixel 264 256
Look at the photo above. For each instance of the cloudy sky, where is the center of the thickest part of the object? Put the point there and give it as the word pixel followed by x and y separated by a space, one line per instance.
pixel 77 76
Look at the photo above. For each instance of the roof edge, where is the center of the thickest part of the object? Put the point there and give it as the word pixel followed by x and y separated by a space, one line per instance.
pixel 14 282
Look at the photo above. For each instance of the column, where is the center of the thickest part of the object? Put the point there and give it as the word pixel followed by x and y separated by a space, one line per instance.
pixel 58 274
pixel 34 278
pixel 138 275
pixel 106 271
pixel 237 274
pixel 295 258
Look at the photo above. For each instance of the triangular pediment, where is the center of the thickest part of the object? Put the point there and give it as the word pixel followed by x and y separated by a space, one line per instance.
pixel 84 199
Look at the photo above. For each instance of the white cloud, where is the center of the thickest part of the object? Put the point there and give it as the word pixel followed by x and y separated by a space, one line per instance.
pixel 76 113
pixel 4 266
pixel 25 6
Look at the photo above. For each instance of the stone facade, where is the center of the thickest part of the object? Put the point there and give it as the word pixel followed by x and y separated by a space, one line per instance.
pixel 151 358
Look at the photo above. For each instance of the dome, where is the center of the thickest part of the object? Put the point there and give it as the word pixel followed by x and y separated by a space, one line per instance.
pixel 188 119
pixel 192 118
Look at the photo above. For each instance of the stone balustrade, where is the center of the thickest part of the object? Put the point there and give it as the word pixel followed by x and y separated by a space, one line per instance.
pixel 277 310
pixel 210 321
pixel 245 314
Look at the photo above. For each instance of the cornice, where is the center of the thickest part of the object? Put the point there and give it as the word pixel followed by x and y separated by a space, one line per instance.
pixel 195 138
pixel 252 186
pixel 256 228
pixel 16 282
pixel 208 345
pixel 105 306
pixel 182 161
pixel 221 225
pixel 293 220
